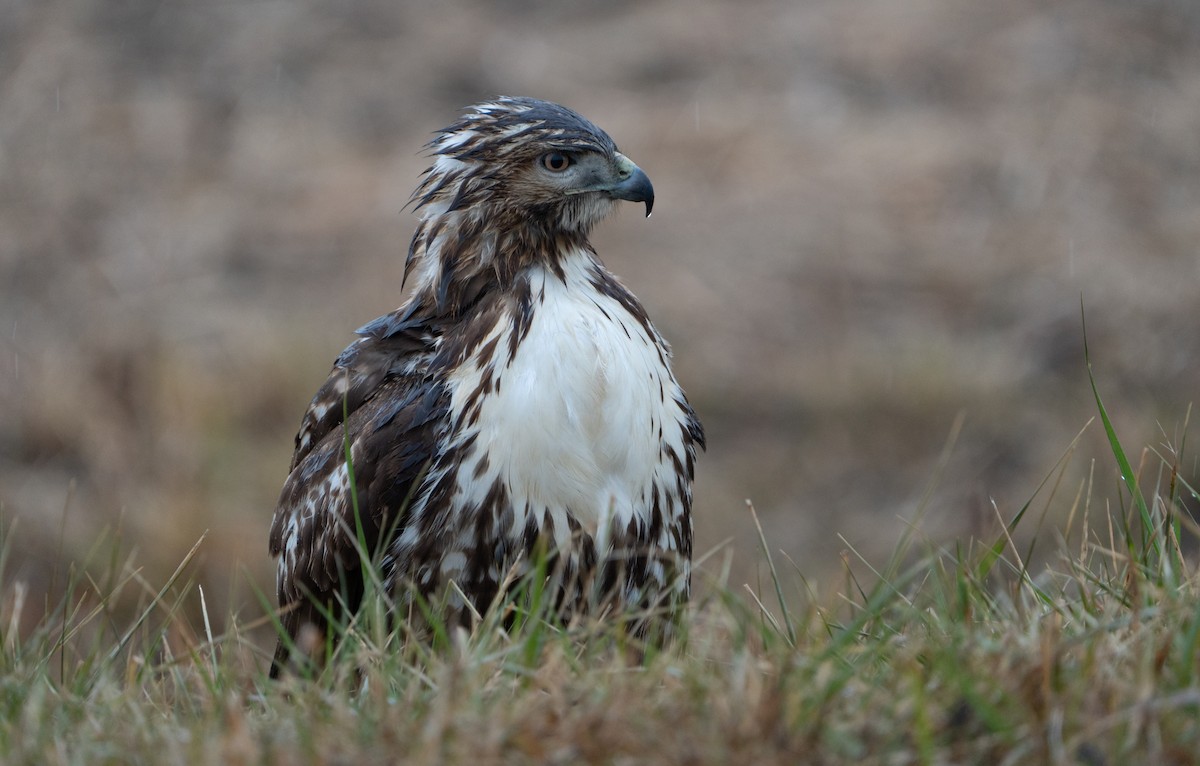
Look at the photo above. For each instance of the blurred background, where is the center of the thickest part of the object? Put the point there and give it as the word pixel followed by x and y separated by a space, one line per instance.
pixel 875 220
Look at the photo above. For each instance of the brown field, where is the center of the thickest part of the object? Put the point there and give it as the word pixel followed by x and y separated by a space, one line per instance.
pixel 873 219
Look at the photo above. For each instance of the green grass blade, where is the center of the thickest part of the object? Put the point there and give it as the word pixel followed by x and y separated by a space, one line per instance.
pixel 1127 474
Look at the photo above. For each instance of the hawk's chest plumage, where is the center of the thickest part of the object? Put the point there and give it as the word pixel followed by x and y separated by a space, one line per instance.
pixel 572 425
pixel 564 419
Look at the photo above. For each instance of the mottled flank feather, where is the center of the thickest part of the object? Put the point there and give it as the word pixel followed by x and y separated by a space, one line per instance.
pixel 520 398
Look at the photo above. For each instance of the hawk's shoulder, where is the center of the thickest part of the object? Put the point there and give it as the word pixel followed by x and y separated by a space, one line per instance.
pixel 384 347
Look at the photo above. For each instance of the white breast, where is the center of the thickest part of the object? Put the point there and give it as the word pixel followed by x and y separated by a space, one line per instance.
pixel 575 425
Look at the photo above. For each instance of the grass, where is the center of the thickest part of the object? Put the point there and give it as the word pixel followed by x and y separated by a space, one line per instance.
pixel 946 655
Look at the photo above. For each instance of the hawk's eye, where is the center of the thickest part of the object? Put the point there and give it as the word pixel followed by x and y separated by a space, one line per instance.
pixel 556 162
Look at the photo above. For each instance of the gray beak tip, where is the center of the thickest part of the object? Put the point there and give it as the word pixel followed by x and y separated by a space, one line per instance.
pixel 635 187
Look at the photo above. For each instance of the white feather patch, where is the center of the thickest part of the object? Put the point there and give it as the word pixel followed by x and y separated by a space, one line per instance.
pixel 568 429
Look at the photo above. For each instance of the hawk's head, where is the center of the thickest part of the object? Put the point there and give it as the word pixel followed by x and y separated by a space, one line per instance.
pixel 516 163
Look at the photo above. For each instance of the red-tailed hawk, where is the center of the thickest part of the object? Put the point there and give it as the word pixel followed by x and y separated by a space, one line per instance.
pixel 519 398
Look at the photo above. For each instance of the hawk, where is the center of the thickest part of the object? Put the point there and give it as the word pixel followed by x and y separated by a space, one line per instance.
pixel 520 397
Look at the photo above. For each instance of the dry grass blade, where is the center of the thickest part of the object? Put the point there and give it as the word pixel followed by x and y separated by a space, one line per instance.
pixel 766 550
pixel 157 600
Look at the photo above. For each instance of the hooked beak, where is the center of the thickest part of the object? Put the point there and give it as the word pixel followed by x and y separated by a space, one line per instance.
pixel 633 186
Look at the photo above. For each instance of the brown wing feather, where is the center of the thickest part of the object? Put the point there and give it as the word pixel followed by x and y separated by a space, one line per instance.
pixel 386 344
pixel 395 413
